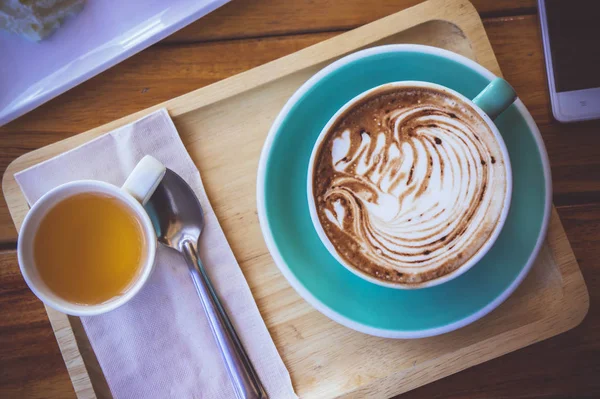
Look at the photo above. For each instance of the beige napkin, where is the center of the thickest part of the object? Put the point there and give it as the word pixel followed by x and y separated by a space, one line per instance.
pixel 159 345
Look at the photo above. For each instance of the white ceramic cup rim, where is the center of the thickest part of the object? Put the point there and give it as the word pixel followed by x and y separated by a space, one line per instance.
pixel 469 263
pixel 31 224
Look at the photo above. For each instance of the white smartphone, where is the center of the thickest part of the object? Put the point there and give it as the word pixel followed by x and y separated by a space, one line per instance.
pixel 571 37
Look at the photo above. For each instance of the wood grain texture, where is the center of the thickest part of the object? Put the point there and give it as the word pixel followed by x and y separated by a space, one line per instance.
pixel 31 365
pixel 324 358
pixel 249 18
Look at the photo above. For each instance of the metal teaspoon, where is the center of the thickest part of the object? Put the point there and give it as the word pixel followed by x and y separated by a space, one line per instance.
pixel 178 220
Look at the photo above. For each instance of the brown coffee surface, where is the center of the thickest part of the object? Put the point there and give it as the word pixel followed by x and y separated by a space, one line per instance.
pixel 409 183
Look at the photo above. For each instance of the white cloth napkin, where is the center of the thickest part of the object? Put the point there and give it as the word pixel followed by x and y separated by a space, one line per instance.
pixel 159 345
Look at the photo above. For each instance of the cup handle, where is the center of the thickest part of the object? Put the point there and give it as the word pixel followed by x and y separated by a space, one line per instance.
pixel 144 179
pixel 496 97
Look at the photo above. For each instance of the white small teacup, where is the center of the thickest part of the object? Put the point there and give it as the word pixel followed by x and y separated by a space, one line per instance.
pixel 137 189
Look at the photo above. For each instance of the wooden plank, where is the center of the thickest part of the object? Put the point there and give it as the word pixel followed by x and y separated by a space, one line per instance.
pixel 31 365
pixel 164 72
pixel 250 18
pixel 518 47
pixel 565 366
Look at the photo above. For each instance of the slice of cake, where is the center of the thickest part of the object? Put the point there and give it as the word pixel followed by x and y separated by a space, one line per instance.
pixel 36 19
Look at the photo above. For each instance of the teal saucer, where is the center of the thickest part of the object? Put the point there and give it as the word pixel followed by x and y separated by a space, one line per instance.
pixel 327 285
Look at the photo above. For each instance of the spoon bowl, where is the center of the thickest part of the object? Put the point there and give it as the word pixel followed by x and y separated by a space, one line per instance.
pixel 175 212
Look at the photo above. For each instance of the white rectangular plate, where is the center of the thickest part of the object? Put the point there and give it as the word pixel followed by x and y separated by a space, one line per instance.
pixel 105 33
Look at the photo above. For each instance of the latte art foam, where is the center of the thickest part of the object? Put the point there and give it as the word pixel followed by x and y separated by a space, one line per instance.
pixel 409 184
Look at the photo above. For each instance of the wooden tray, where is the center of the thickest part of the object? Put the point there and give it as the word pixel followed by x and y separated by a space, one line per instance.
pixel 224 126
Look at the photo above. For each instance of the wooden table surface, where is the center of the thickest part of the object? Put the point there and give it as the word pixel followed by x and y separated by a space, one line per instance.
pixel 247 33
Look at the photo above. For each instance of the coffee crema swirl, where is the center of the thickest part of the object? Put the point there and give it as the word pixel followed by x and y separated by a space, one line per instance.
pixel 409 184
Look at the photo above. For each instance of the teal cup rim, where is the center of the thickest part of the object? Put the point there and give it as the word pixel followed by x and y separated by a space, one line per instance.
pixel 312 299
pixel 481 252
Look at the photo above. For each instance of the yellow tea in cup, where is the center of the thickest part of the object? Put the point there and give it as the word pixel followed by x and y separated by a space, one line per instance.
pixel 89 248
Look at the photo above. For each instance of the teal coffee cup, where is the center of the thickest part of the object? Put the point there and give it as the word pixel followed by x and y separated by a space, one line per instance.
pixel 411 244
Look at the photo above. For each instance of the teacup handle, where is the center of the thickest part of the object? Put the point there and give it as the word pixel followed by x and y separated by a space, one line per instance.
pixel 496 97
pixel 144 179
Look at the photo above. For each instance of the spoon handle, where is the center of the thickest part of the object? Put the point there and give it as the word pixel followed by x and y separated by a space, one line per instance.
pixel 243 376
